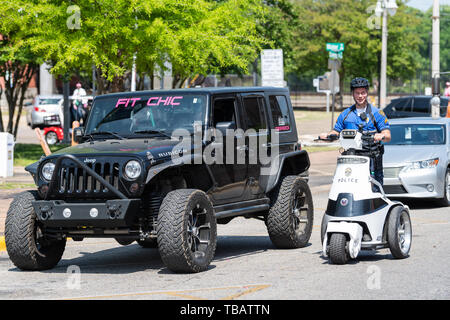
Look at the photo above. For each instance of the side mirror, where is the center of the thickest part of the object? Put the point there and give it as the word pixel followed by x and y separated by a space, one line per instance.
pixel 78 134
pixel 224 126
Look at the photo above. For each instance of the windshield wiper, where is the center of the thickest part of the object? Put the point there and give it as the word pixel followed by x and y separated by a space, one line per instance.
pixel 106 132
pixel 152 132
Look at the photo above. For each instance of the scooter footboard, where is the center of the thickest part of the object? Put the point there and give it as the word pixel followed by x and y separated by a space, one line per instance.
pixel 354 232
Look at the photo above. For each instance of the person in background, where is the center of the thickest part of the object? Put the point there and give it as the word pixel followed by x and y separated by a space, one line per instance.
pixel 447 89
pixel 79 106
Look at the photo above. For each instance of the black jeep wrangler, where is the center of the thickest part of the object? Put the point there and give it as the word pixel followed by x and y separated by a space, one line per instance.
pixel 163 168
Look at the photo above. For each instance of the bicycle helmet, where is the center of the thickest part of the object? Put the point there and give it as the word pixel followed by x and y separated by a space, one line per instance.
pixel 359 83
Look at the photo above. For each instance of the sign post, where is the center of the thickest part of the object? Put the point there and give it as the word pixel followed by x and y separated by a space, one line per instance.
pixel 322 84
pixel 335 51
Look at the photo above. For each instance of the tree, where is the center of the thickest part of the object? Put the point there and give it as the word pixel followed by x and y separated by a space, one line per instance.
pixel 348 21
pixel 424 30
pixel 18 65
pixel 279 27
pixel 195 36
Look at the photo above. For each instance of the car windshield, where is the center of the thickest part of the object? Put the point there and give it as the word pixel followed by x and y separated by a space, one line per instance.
pixel 153 114
pixel 47 101
pixel 417 134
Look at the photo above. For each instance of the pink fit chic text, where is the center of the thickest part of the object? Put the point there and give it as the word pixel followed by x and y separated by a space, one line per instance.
pixel 153 101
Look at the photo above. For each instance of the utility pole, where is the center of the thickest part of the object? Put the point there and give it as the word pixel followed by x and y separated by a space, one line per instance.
pixel 435 42
pixel 67 114
pixel 384 7
pixel 435 101
pixel 383 77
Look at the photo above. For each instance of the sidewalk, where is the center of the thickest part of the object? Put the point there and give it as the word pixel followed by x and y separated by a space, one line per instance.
pixel 20 177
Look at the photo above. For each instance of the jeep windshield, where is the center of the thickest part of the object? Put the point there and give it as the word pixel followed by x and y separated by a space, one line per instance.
pixel 137 116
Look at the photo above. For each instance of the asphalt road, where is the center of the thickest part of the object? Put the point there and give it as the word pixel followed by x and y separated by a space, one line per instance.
pixel 247 266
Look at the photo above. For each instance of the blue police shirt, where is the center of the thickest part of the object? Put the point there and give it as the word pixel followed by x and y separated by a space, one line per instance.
pixel 352 120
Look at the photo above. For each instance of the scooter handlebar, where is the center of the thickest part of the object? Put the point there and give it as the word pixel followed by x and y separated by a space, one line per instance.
pixel 329 138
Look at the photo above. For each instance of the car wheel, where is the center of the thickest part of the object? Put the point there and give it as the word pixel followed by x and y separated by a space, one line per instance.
pixel 51 137
pixel 27 246
pixel 290 218
pixel 186 231
pixel 445 201
pixel 399 233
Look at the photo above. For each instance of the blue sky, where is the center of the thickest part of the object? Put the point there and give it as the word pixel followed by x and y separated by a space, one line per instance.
pixel 425 4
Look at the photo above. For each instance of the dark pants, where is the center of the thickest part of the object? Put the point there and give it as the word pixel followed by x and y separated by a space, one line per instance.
pixel 376 171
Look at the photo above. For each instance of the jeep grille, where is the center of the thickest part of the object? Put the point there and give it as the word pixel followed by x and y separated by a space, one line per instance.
pixel 73 180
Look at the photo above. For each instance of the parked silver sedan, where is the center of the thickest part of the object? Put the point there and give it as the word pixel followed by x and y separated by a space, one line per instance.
pixel 43 106
pixel 417 160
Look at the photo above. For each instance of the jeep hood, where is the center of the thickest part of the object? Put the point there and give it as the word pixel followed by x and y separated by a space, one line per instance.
pixel 157 147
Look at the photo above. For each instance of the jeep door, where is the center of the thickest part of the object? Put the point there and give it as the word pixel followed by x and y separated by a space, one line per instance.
pixel 254 123
pixel 229 175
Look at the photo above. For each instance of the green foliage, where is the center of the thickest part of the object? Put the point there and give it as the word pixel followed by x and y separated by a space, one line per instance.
pixel 196 36
pixel 424 29
pixel 349 22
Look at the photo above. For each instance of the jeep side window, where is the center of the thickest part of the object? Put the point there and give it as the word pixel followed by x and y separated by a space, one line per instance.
pixel 254 113
pixel 223 110
pixel 280 113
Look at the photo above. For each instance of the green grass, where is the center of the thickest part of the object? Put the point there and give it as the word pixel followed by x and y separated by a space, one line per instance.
pixel 27 153
pixel 14 185
pixel 305 115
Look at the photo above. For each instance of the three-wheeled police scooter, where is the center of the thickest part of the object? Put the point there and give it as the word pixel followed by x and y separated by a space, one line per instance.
pixel 358 216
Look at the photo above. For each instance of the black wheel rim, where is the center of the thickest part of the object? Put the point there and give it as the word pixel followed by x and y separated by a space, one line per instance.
pixel 40 241
pixel 300 210
pixel 199 231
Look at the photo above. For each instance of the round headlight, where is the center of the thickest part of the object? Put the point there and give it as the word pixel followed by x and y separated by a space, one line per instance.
pixel 47 170
pixel 133 169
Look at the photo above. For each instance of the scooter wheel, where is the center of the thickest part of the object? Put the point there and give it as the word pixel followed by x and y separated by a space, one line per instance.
pixel 399 233
pixel 51 137
pixel 338 253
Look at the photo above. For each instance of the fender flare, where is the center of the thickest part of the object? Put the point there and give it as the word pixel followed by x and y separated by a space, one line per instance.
pixel 298 160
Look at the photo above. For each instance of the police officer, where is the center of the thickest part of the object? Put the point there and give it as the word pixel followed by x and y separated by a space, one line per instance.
pixel 375 120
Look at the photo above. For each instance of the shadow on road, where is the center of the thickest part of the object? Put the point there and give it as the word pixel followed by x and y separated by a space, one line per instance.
pixel 419 203
pixel 133 258
pixel 364 256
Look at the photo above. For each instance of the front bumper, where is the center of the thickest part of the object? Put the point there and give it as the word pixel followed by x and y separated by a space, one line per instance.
pixel 415 184
pixel 108 214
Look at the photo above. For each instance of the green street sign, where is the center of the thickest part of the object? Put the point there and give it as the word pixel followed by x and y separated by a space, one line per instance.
pixel 335 55
pixel 335 47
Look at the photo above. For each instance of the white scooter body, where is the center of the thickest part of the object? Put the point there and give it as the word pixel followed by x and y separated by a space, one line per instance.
pixel 353 208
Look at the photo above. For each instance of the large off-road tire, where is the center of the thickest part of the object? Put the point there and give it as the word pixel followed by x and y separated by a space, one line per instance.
pixel 27 247
pixel 290 218
pixel 148 243
pixel 186 231
pixel 399 233
pixel 338 253
pixel 445 201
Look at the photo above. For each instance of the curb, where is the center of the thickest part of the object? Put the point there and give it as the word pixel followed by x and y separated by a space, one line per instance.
pixel 2 244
